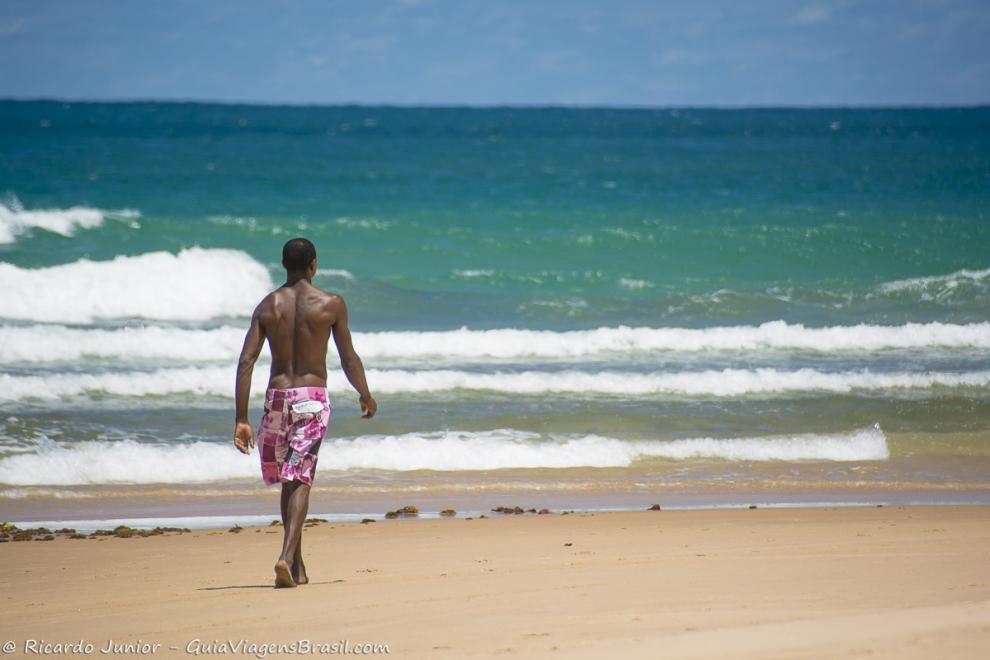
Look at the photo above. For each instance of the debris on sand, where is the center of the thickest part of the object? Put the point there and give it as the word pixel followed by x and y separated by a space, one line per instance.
pixel 162 530
pixel 448 513
pixel 32 534
pixel 509 509
pixel 408 511
pixel 365 521
pixel 236 529
pixel 125 532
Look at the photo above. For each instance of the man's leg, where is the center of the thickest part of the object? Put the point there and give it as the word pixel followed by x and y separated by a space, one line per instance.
pixel 280 573
pixel 287 488
pixel 298 567
pixel 296 498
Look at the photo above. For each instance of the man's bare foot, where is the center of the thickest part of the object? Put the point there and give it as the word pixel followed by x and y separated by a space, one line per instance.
pixel 283 575
pixel 299 573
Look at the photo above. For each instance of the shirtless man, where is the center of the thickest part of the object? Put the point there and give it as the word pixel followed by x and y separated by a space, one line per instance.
pixel 297 319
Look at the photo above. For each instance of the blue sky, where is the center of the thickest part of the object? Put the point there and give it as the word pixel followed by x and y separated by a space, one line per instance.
pixel 572 52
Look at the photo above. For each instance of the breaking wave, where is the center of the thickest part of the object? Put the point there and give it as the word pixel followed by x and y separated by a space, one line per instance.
pixel 725 383
pixel 15 220
pixel 45 343
pixel 130 462
pixel 194 285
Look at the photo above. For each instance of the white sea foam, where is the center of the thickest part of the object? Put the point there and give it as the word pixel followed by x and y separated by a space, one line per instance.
pixel 506 448
pixel 101 462
pixel 939 287
pixel 513 343
pixel 126 462
pixel 195 284
pixel 15 219
pixel 44 343
pixel 55 343
pixel 716 383
pixel 363 223
pixel 218 381
pixel 336 272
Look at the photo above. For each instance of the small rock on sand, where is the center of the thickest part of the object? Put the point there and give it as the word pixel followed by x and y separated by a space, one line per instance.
pixel 508 509
pixel 408 511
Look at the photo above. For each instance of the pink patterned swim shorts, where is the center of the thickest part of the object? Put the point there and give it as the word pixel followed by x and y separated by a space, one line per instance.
pixel 290 433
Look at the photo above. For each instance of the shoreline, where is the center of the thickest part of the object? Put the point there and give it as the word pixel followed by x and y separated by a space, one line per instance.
pixel 222 522
pixel 249 506
pixel 740 583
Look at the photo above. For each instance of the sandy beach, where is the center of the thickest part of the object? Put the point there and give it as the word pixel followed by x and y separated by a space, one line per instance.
pixel 904 582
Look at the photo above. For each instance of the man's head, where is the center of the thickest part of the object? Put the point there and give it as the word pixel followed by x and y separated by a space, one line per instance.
pixel 299 256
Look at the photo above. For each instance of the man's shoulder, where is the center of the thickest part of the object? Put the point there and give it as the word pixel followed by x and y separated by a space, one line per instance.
pixel 331 298
pixel 267 302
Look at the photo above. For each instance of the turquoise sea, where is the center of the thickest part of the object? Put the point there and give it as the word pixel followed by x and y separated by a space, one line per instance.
pixel 581 307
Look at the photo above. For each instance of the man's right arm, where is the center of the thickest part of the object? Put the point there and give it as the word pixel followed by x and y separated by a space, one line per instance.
pixel 253 343
pixel 349 360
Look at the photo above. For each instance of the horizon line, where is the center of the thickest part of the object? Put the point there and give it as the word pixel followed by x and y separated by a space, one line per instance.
pixel 495 106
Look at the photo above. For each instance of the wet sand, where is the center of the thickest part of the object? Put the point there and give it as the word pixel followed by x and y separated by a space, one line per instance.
pixel 247 500
pixel 900 582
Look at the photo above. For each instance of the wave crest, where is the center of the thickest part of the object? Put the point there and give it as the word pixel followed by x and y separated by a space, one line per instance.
pixel 194 285
pixel 726 383
pixel 16 220
pixel 940 288
pixel 130 462
pixel 46 343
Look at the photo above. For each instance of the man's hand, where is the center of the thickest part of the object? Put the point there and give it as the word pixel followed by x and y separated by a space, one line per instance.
pixel 243 437
pixel 368 407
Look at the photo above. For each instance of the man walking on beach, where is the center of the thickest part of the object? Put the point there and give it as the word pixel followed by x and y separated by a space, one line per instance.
pixel 297 318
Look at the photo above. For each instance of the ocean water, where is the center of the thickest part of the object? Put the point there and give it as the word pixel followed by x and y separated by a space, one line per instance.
pixel 699 306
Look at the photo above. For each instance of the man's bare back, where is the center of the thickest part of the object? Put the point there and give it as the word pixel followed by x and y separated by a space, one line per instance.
pixel 297 320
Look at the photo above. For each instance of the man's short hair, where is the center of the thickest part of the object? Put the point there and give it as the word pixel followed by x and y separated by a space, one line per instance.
pixel 298 254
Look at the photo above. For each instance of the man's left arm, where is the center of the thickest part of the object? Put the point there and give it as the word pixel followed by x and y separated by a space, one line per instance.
pixel 253 343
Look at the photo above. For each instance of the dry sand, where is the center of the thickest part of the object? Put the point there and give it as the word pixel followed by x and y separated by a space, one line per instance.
pixel 897 582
